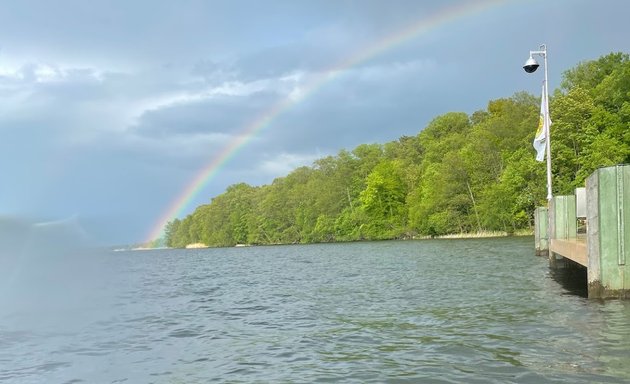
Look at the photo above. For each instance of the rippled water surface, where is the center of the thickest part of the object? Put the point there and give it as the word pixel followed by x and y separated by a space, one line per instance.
pixel 456 311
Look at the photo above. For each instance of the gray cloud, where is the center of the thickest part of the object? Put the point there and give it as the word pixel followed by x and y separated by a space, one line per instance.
pixel 219 114
pixel 109 109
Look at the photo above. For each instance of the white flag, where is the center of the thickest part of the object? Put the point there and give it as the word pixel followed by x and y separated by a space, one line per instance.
pixel 543 127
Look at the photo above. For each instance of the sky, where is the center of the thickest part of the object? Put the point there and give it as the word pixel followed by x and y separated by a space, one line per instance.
pixel 110 110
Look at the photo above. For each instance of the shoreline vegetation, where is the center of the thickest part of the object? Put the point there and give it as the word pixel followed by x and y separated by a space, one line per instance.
pixel 461 176
pixel 480 235
pixel 476 235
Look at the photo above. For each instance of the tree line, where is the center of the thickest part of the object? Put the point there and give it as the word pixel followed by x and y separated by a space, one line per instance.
pixel 460 174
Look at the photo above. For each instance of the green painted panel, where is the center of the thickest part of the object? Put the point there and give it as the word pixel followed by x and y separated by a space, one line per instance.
pixel 565 226
pixel 614 220
pixel 541 221
pixel 624 218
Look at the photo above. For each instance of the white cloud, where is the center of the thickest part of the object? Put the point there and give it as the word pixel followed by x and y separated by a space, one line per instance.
pixel 284 163
pixel 178 97
pixel 10 72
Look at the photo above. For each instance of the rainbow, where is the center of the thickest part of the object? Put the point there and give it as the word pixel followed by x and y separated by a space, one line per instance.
pixel 265 119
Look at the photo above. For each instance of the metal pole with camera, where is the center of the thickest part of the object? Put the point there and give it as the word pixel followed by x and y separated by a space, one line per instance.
pixel 531 65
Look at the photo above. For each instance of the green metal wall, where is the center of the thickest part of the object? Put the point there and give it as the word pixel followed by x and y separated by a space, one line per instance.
pixel 608 192
pixel 565 221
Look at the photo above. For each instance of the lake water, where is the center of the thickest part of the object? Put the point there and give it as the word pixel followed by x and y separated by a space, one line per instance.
pixel 436 311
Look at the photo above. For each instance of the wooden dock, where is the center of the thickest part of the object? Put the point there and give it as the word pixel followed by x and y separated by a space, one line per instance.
pixel 573 249
pixel 605 247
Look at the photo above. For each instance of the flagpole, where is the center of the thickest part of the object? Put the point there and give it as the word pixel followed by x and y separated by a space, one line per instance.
pixel 530 66
pixel 547 125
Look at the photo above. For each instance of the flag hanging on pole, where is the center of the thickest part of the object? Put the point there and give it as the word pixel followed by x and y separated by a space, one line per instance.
pixel 543 127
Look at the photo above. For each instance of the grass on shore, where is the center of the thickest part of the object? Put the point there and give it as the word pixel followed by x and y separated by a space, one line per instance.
pixel 482 234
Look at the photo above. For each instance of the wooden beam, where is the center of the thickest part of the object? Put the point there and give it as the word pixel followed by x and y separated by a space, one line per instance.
pixel 572 249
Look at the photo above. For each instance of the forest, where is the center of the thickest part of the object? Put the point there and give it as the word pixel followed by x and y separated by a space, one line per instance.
pixel 460 174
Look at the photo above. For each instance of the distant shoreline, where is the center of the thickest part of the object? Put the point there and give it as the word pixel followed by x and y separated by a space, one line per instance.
pixel 471 235
pixel 479 235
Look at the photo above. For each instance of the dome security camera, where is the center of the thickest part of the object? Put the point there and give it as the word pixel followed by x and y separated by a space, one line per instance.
pixel 531 65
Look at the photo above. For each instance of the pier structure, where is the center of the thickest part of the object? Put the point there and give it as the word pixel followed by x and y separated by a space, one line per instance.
pixel 604 247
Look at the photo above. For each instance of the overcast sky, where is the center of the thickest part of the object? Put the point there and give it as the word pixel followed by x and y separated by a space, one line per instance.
pixel 109 109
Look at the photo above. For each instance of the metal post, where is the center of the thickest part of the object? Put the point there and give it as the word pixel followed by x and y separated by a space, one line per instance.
pixel 548 126
pixel 530 66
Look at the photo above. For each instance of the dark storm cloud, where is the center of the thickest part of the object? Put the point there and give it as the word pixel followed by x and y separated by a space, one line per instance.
pixel 218 114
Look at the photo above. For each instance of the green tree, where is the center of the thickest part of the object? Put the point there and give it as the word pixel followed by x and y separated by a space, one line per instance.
pixel 383 200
